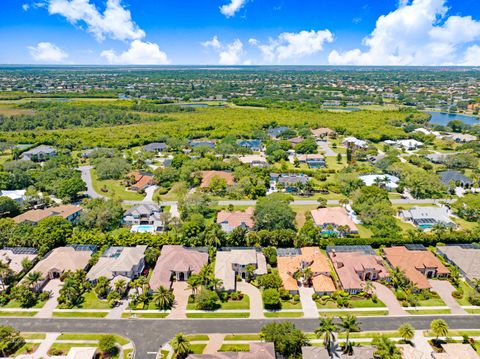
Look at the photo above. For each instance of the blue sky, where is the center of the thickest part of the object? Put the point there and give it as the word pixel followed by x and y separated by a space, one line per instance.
pixel 241 32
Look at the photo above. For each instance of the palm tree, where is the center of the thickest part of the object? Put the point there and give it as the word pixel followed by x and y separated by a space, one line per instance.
pixel 33 278
pixel 349 324
pixel 439 327
pixel 216 283
pixel 386 349
pixel 194 282
pixel 180 345
pixel 368 288
pixel 406 331
pixel 163 298
pixel 327 328
pixel 307 276
pixel 121 286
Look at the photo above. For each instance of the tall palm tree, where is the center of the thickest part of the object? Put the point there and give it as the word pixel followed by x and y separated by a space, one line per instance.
pixel 349 324
pixel 180 345
pixel 326 329
pixel 163 298
pixel 406 331
pixel 439 327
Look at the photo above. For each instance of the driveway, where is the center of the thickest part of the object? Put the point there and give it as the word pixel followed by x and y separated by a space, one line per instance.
pixel 87 178
pixel 256 302
pixel 181 292
pixel 54 287
pixel 42 351
pixel 149 192
pixel 386 295
pixel 444 289
pixel 327 151
pixel 309 307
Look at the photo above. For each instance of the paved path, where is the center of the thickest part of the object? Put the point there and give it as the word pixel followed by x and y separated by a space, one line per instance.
pixel 256 302
pixel 42 351
pixel 421 344
pixel 386 295
pixel 116 313
pixel 87 178
pixel 149 192
pixel 327 151
pixel 53 286
pixel 214 343
pixel 444 288
pixel 310 309
pixel 149 334
pixel 181 292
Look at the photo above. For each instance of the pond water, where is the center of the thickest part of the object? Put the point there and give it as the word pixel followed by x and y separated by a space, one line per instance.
pixel 443 118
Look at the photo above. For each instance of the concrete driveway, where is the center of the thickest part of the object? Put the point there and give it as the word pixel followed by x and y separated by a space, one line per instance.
pixel 181 292
pixel 327 151
pixel 386 296
pixel 256 302
pixel 309 307
pixel 149 192
pixel 54 287
pixel 444 289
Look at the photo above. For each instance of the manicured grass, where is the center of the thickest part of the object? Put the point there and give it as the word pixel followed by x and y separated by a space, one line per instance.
pixel 290 305
pixel 366 303
pixel 127 353
pixel 301 212
pixel 144 315
pixel 473 311
pixel 467 290
pixel 197 348
pixel 164 353
pixel 429 311
pixel 90 336
pixel 328 305
pixel 235 348
pixel 80 314
pixel 283 314
pixel 218 315
pixel 356 313
pixel 456 333
pixel 465 225
pixel 27 348
pixel 115 189
pixel 198 337
pixel 92 302
pixel 17 314
pixel 33 335
pixel 16 304
pixel 237 304
pixel 65 347
pixel 434 302
pixel 332 163
pixel 359 335
pixel 363 231
pixel 242 337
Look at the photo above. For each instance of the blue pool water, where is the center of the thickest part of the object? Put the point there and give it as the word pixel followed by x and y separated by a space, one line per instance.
pixel 143 228
pixel 443 118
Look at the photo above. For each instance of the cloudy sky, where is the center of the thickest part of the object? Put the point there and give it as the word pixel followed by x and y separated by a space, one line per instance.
pixel 241 32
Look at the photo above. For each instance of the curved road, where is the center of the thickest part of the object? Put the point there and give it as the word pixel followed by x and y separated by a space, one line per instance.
pixel 149 334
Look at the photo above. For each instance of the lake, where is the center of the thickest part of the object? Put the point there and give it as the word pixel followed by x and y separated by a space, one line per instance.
pixel 443 118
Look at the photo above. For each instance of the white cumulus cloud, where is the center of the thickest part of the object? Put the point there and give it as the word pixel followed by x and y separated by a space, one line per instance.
pixel 25 7
pixel 139 53
pixel 418 32
pixel 214 42
pixel 47 52
pixel 294 45
pixel 115 22
pixel 472 56
pixel 228 54
pixel 231 8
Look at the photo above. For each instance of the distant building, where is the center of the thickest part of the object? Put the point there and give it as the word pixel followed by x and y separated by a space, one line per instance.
pixel 322 132
pixel 141 180
pixel 460 180
pixel 68 211
pixel 428 217
pixel 144 217
pixel 295 140
pixel 312 160
pixel 290 182
pixel 419 265
pixel 334 220
pixel 237 219
pixel 389 182
pixel 465 257
pixel 13 258
pixel 197 143
pixel 39 154
pixel 254 160
pixel 208 176
pixel 155 147
pixel 253 145
pixel 461 137
pixel 277 131
pixel 354 143
pixel 410 144
pixel 16 195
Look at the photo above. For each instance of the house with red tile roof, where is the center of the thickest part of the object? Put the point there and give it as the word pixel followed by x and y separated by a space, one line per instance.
pixel 208 176
pixel 418 265
pixel 176 263
pixel 231 220
pixel 141 180
pixel 333 218
pixel 354 268
pixel 293 260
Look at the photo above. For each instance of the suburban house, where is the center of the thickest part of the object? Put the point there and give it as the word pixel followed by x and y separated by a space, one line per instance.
pixel 63 259
pixel 231 220
pixel 277 131
pixel 419 265
pixel 291 261
pixel 389 182
pixel 176 263
pixel 68 211
pixel 208 176
pixel 334 220
pixel 437 158
pixel 140 180
pixel 312 160
pixel 254 160
pixel 456 177
pixel 233 262
pixel 119 262
pixel 355 265
pixel 257 351
pixel 13 258
pixel 155 147
pixel 15 195
pixel 466 257
pixel 320 352
pixel 322 132
pixel 253 145
pixel 354 143
pixel 39 153
pixel 295 140
pixel 410 144
pixel 428 217
pixel 456 351
pixel 290 182
pixel 198 143
pixel 144 217
pixel 461 137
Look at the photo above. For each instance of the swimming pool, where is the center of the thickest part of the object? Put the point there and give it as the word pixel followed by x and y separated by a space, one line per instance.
pixel 143 228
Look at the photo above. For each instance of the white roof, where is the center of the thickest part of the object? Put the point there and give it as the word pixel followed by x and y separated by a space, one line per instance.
pixel 15 195
pixel 356 141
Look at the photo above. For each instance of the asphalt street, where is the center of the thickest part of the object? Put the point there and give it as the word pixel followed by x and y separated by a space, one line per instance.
pixel 149 334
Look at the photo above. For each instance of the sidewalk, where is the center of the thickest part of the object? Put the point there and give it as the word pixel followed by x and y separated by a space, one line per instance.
pixel 42 351
pixel 310 309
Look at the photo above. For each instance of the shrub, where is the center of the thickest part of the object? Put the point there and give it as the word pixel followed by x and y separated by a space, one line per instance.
pixel 296 298
pixel 285 294
pixel 457 294
pixel 400 295
pixel 207 300
pixel 107 344
pixel 271 299
pixel 474 299
pixel 315 297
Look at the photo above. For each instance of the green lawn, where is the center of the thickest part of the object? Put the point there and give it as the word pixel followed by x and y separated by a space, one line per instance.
pixel 429 311
pixel 218 315
pixel 433 302
pixel 242 337
pixel 363 231
pixel 356 313
pixel 198 337
pixel 17 314
pixel 467 290
pixel 366 303
pixel 235 348
pixel 328 305
pixel 90 336
pixel 283 314
pixel 80 314
pixel 286 304
pixel 33 335
pixel 27 348
pixel 197 348
pixel 16 304
pixel 237 304
pixel 65 347
pixel 92 302
pixel 115 189
pixel 457 333
pixel 144 315
pixel 473 311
